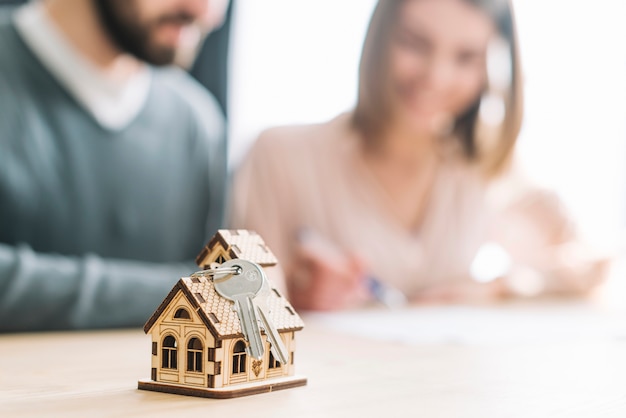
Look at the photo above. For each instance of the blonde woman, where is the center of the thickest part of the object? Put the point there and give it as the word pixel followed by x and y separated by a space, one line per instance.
pixel 413 187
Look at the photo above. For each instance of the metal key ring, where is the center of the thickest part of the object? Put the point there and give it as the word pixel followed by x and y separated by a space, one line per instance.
pixel 229 271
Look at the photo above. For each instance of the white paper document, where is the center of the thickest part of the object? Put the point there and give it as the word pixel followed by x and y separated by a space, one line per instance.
pixel 478 325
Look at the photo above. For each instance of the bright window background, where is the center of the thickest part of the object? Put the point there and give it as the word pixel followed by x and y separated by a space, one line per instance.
pixel 295 61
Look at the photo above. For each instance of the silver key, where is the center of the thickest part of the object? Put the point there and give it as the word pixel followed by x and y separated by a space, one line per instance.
pixel 277 347
pixel 242 288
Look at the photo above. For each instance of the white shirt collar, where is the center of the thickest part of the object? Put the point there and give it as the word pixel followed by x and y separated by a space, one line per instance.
pixel 113 104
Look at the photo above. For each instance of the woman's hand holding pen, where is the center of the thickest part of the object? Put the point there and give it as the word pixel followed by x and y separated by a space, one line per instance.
pixel 324 279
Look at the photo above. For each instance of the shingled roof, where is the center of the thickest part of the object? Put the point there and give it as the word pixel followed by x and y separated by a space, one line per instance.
pixel 238 243
pixel 217 312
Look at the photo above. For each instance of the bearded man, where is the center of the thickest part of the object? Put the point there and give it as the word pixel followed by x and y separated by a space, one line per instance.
pixel 112 161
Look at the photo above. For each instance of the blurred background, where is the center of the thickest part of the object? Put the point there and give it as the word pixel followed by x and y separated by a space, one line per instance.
pixel 296 62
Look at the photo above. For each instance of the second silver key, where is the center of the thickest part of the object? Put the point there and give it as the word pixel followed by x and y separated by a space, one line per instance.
pixel 242 288
pixel 277 347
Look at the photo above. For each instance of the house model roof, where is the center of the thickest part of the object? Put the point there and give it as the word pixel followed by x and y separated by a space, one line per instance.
pixel 217 312
pixel 237 243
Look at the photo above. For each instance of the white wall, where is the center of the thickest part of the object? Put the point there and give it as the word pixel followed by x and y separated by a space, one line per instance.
pixel 574 132
pixel 296 61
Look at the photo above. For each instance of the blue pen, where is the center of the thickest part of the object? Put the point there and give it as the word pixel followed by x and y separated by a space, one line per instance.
pixel 387 295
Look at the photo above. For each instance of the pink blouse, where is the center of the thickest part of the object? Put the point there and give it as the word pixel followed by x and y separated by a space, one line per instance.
pixel 313 178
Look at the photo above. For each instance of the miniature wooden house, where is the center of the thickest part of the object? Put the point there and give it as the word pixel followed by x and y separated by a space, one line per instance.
pixel 197 344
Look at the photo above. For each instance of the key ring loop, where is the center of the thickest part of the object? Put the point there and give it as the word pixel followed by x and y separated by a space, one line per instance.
pixel 210 273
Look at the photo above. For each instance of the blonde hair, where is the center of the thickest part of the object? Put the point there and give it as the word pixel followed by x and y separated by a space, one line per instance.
pixel 373 109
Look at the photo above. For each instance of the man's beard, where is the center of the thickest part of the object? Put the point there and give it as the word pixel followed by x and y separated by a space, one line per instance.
pixel 120 20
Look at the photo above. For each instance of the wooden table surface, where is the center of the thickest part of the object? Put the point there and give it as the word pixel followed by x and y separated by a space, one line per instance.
pixel 94 374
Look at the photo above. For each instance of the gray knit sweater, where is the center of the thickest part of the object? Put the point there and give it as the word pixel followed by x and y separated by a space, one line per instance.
pixel 95 225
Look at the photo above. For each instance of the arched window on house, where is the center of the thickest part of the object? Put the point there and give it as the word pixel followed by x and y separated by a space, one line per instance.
pixel 194 355
pixel 239 357
pixel 169 358
pixel 182 313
